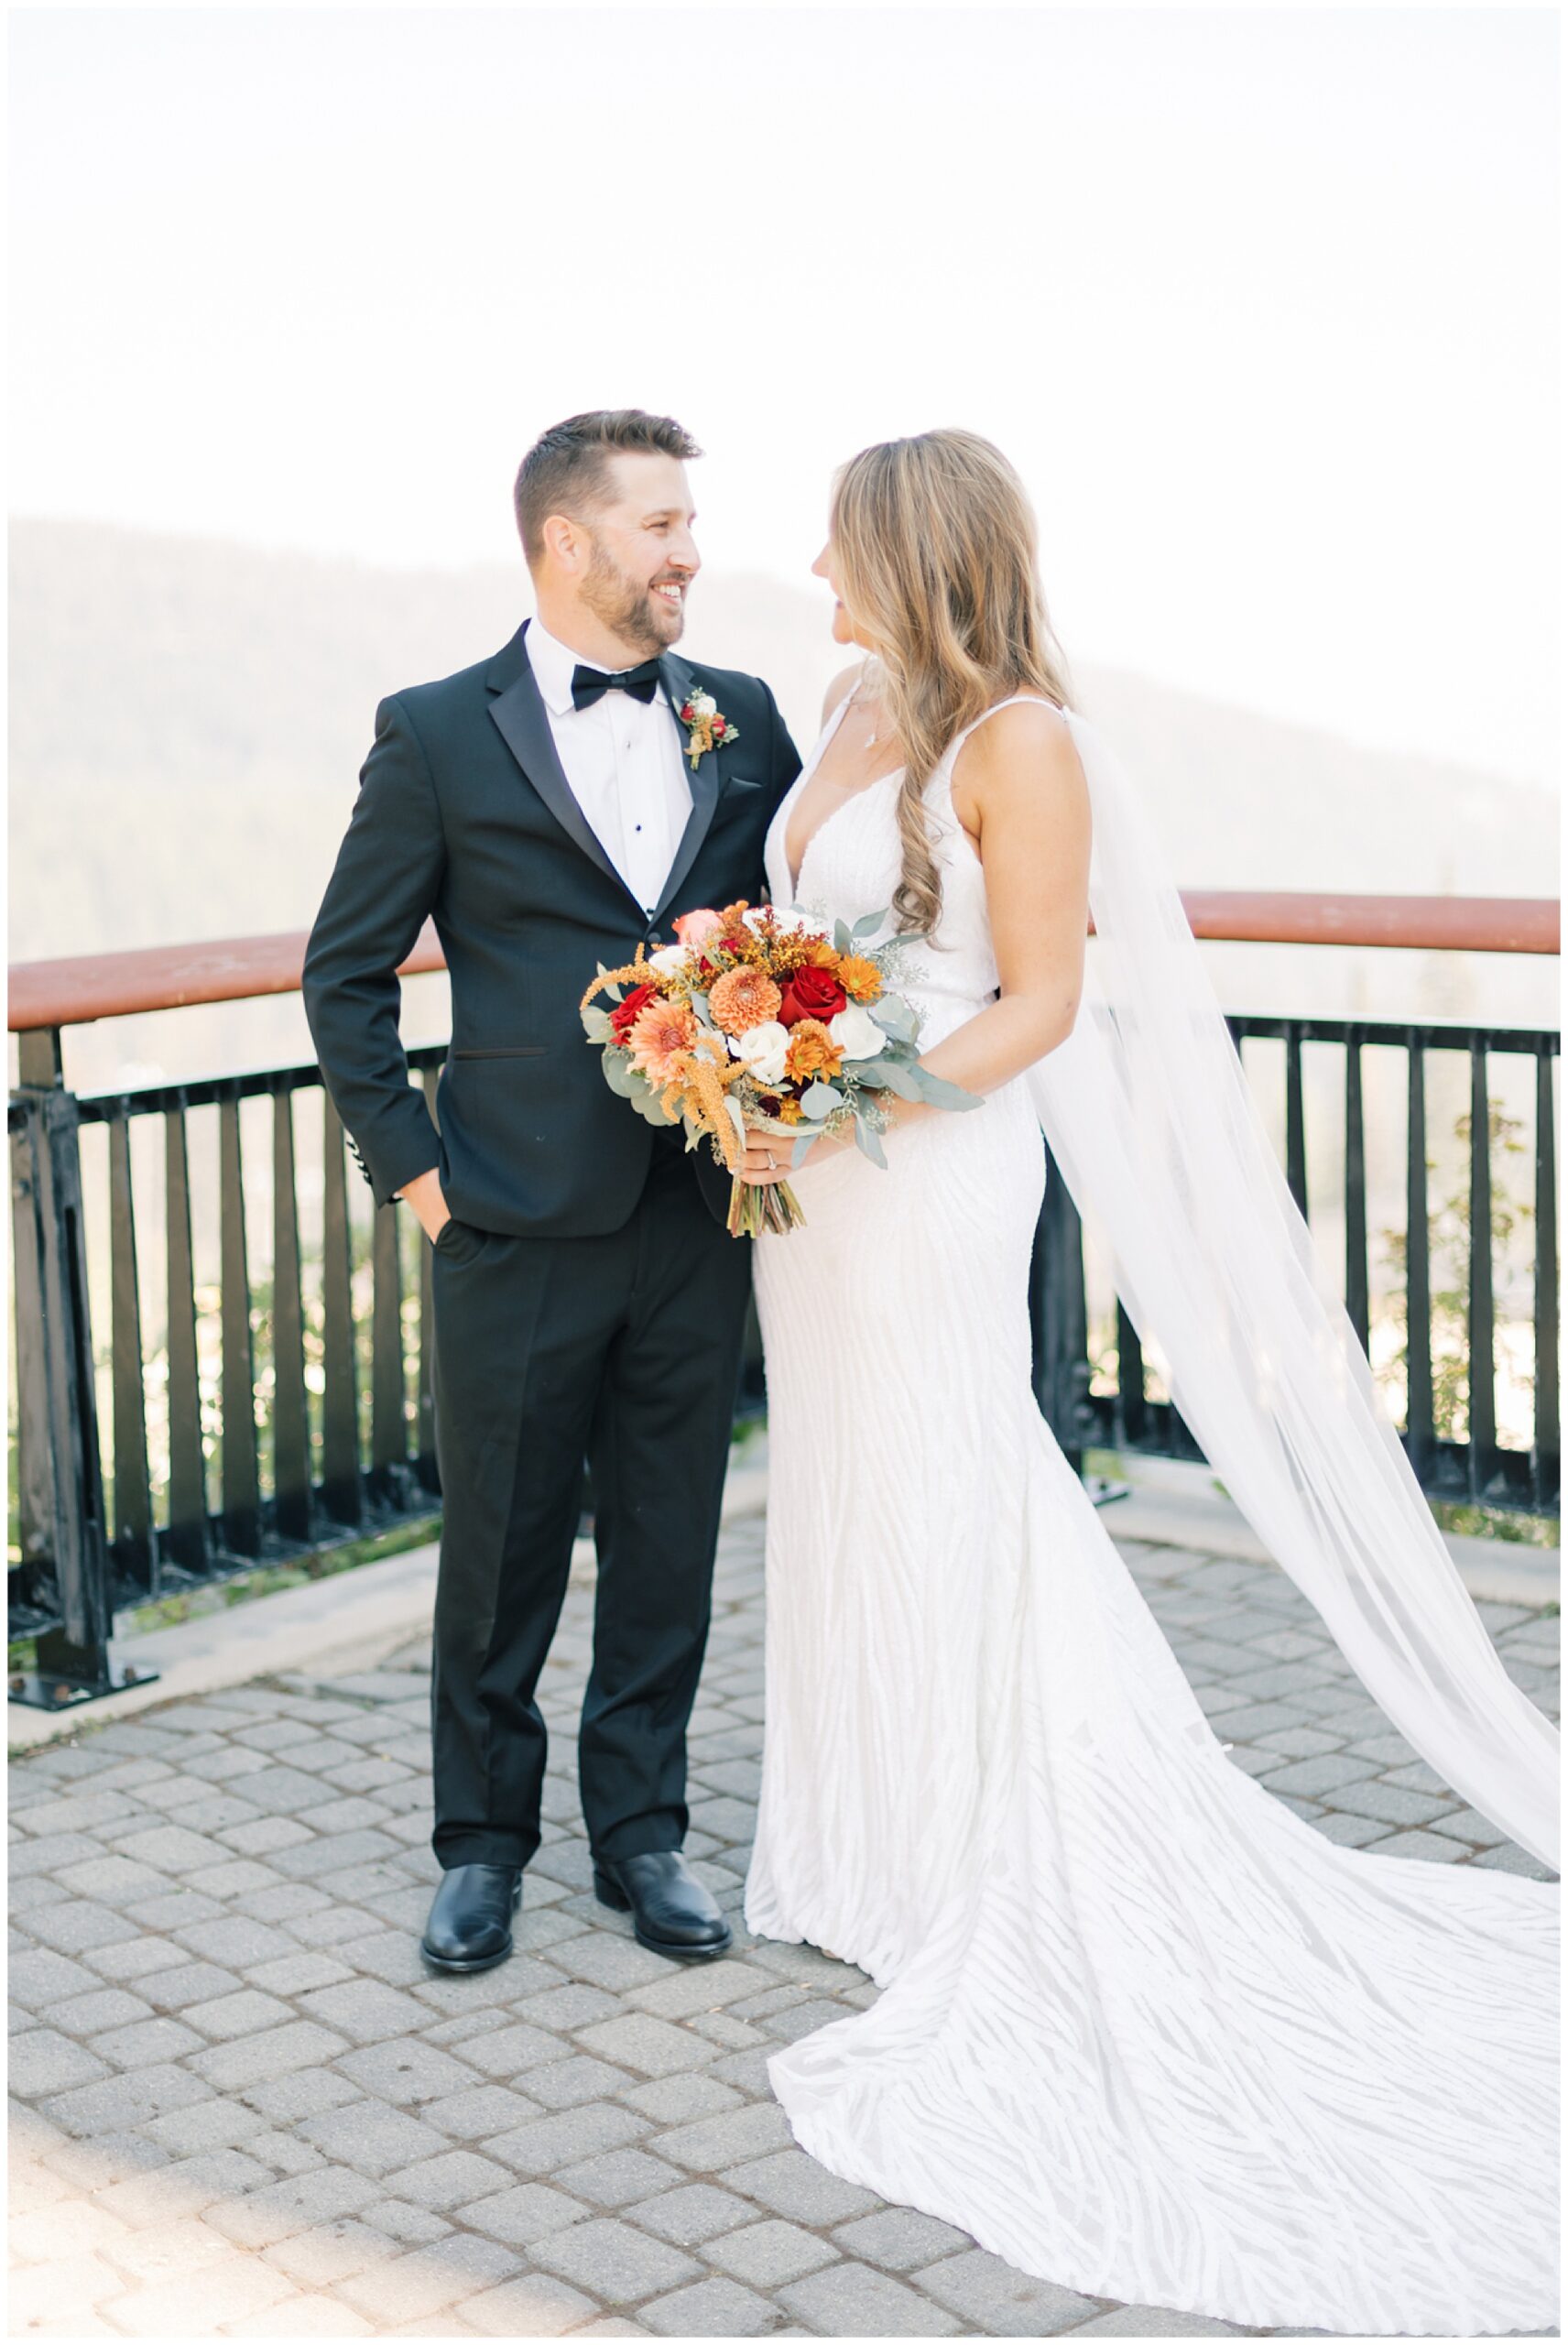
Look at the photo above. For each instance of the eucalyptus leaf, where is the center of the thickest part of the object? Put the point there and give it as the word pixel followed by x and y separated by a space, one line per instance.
pixel 596 1024
pixel 901 1080
pixel 819 1099
pixel 738 1120
pixel 840 937
pixel 800 1150
pixel 870 1073
pixel 619 1074
pixel 867 923
pixel 868 1144
pixel 943 1094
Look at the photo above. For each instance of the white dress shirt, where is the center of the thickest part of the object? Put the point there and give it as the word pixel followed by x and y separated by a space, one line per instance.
pixel 624 763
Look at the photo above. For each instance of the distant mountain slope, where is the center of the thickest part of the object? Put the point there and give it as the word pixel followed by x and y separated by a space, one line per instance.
pixel 187 719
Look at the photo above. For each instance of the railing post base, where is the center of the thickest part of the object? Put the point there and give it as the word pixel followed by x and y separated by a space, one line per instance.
pixel 67 1674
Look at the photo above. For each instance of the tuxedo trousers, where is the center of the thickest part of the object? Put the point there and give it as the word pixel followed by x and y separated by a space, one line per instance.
pixel 623 1349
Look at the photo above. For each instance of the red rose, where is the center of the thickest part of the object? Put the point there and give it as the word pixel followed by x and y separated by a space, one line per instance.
pixel 720 729
pixel 624 1013
pixel 685 712
pixel 811 993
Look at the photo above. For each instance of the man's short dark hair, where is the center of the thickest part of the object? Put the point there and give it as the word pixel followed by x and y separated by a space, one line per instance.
pixel 566 470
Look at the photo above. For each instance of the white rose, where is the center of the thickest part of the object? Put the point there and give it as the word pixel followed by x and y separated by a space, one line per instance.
pixel 668 957
pixel 856 1033
pixel 784 917
pixel 763 1049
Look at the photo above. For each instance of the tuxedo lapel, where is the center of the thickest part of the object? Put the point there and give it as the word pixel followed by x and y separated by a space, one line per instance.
pixel 523 721
pixel 702 782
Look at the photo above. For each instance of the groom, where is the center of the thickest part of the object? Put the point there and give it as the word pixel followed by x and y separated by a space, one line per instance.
pixel 544 808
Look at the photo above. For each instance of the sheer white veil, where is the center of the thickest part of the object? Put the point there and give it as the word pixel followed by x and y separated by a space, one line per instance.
pixel 1158 1137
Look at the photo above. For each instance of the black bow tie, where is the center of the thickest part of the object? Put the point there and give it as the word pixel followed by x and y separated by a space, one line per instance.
pixel 589 684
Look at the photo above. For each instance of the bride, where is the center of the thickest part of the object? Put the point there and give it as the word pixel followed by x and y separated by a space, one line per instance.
pixel 1144 2032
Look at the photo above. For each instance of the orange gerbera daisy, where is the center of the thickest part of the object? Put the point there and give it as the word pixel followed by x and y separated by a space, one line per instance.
pixel 661 1036
pixel 860 978
pixel 744 999
pixel 812 1051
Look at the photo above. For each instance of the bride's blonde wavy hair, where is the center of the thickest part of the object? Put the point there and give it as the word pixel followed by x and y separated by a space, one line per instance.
pixel 935 549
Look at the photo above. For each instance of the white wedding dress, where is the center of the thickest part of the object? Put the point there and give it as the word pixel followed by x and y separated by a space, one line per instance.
pixel 1143 2031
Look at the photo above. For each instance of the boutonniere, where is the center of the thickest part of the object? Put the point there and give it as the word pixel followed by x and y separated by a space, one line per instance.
pixel 705 728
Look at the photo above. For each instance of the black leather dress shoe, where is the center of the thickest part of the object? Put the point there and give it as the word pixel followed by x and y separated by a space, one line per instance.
pixel 469 1927
pixel 670 1910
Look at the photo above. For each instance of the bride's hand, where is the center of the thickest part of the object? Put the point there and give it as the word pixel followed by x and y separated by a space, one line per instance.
pixel 767 1155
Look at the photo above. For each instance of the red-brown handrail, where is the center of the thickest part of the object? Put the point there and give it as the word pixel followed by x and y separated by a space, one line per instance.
pixel 243 968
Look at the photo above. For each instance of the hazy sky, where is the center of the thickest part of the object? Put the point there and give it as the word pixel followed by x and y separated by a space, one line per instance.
pixel 1265 304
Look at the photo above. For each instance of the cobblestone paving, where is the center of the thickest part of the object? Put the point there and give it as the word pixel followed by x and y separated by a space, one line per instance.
pixel 244 2109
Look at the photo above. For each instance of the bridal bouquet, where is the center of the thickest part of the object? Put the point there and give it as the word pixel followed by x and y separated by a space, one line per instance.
pixel 762 1019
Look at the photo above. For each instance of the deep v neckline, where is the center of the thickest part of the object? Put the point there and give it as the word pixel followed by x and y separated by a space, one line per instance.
pixel 803 784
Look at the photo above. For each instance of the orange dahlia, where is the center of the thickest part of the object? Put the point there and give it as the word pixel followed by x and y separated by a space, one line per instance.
pixel 860 978
pixel 812 1051
pixel 661 1036
pixel 744 999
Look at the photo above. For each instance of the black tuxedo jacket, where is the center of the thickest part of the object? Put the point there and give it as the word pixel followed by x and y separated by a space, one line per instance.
pixel 464 814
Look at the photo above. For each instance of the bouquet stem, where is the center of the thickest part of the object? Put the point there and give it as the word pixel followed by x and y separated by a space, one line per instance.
pixel 758 1206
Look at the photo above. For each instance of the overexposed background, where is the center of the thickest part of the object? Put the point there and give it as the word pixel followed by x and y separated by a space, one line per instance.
pixel 1262 302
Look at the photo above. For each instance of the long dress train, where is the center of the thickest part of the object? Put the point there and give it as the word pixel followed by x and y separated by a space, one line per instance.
pixel 1144 2032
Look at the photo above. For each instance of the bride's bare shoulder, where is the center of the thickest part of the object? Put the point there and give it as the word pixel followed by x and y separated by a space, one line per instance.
pixel 1015 750
pixel 843 685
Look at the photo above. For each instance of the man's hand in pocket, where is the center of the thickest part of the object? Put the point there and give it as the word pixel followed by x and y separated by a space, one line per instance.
pixel 429 1201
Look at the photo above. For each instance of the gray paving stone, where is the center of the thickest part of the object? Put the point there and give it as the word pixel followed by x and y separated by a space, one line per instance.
pixel 372 2137
pixel 144 2042
pixel 618 2177
pixel 564 2139
pixel 853 2300
pixel 1389 1804
pixel 900 2240
pixel 770 2253
pixel 447 2179
pixel 39 1979
pixel 695 2212
pixel 537 2304
pixel 654 2047
pixel 411 2288
pixel 364 2010
pixel 618 2264
pixel 711 2309
pixel 715 2143
pixel 91 2110
pixel 405 2071
pixel 567 2084
pixel 518 2217
pixel 1151 2320
pixel 789 2182
pixel 680 2101
pixel 1001 2302
pixel 277 2212
pixel 43 2061
pixel 256 2059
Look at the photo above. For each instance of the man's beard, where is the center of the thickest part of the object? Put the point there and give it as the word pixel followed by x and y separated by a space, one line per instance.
pixel 628 607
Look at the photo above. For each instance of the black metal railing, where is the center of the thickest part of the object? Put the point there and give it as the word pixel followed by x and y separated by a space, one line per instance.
pixel 149 1468
pixel 1110 1403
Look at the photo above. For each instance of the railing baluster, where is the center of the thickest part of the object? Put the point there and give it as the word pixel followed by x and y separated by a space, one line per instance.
pixel 290 1409
pixel 1131 1403
pixel 189 1536
pixel 1059 1317
pixel 341 1490
pixel 1420 1436
pixel 1356 1295
pixel 388 1418
pixel 241 1479
pixel 1546 1449
pixel 425 1418
pixel 1482 1366
pixel 134 1551
pixel 1295 1118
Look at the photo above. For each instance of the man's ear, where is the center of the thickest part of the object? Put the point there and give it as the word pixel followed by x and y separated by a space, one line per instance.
pixel 565 541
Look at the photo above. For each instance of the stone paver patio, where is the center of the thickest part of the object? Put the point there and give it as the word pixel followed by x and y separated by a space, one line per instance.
pixel 244 2109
